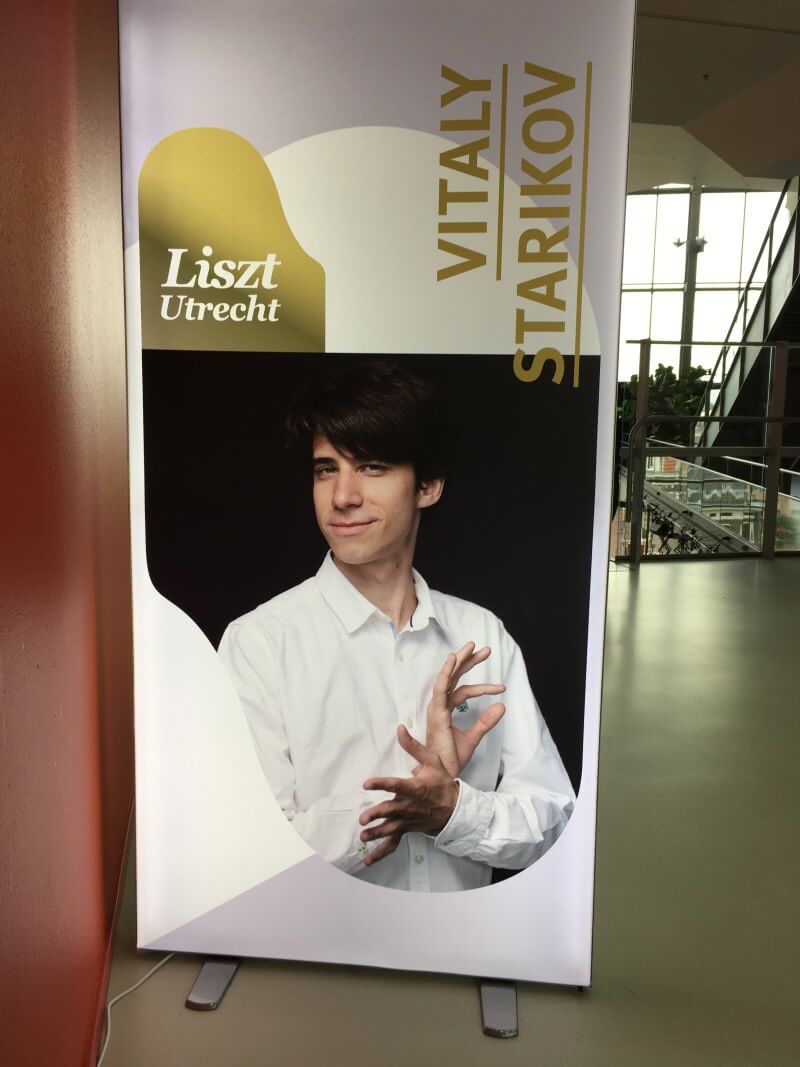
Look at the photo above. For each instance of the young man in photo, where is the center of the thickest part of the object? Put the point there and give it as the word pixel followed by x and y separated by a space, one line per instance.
pixel 372 699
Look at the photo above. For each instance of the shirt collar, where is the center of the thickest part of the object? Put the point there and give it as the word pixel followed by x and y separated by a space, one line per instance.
pixel 424 611
pixel 354 609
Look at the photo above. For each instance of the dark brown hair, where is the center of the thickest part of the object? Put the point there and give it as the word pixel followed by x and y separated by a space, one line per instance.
pixel 376 410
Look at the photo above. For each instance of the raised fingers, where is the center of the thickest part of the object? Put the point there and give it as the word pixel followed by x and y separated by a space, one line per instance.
pixel 453 668
pixel 384 829
pixel 442 682
pixel 385 848
pixel 400 786
pixel 469 660
pixel 383 810
pixel 415 748
pixel 488 720
pixel 467 692
pixel 456 664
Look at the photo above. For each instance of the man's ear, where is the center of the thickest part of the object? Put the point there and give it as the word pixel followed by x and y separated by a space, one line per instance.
pixel 430 492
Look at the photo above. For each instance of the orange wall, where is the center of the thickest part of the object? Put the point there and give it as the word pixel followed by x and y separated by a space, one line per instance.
pixel 65 663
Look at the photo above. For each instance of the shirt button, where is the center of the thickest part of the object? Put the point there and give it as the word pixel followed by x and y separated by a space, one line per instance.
pixel 419 859
pixel 400 657
pixel 409 722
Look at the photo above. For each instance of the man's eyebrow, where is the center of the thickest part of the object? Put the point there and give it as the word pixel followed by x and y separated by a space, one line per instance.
pixel 319 460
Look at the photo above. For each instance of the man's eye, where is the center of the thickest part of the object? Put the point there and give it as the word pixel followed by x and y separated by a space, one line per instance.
pixel 375 468
pixel 320 471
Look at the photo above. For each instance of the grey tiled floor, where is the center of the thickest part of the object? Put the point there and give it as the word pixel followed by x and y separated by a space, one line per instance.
pixel 696 927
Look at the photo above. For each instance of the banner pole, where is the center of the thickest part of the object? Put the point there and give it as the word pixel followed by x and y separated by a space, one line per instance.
pixel 636 477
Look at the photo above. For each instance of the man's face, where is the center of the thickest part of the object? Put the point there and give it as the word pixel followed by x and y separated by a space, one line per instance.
pixel 367 509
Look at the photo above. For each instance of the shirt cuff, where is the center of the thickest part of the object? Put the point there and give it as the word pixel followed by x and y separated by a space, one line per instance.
pixel 469 823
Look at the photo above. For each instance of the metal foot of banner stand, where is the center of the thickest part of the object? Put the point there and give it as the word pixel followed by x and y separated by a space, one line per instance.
pixel 499 1007
pixel 211 984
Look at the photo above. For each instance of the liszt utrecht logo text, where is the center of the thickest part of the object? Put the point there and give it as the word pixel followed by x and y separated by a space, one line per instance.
pixel 543 151
pixel 210 275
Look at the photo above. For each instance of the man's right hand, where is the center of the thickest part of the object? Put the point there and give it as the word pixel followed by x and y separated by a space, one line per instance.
pixel 454 746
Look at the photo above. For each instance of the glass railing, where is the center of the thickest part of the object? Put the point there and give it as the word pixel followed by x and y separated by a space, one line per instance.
pixel 733 505
pixel 691 510
pixel 787 536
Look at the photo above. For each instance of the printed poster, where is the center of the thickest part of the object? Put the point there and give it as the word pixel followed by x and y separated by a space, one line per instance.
pixel 373 256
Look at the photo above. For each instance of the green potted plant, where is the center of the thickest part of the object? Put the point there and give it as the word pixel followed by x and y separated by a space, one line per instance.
pixel 669 395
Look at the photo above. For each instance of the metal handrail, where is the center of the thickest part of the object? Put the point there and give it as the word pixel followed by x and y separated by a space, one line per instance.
pixel 711 344
pixel 673 447
pixel 685 451
pixel 743 298
pixel 737 459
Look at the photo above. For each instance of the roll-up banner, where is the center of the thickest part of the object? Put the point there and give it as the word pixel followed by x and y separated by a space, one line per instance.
pixel 373 255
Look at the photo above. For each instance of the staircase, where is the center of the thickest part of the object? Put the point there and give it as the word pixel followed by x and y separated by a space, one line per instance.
pixel 739 382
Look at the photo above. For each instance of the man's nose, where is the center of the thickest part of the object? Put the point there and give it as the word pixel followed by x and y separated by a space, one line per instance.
pixel 346 492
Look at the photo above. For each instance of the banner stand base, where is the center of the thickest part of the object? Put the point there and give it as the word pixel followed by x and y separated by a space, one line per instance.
pixel 498 998
pixel 212 982
pixel 498 1007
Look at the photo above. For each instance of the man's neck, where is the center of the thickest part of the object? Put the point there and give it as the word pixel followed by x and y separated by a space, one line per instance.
pixel 386 583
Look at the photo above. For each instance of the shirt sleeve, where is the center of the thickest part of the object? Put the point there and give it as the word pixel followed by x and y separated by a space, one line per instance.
pixel 515 824
pixel 330 825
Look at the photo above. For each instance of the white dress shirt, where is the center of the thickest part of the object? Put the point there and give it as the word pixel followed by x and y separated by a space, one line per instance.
pixel 324 682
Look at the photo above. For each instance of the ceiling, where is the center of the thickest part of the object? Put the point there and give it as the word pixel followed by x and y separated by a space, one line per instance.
pixel 659 155
pixel 714 92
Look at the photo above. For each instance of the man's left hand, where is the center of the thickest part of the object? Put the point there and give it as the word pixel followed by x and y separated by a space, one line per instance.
pixel 423 803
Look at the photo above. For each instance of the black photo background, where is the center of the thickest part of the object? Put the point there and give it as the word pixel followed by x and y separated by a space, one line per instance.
pixel 230 522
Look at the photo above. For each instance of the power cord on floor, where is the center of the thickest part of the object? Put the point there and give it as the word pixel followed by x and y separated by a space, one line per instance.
pixel 119 996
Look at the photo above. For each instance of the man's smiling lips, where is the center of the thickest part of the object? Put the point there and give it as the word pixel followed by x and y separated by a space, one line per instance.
pixel 348 529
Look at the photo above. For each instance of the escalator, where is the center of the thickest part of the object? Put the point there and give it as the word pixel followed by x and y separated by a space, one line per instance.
pixel 693 510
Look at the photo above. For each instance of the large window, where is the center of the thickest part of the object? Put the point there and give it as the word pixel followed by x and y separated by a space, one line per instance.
pixel 653 271
pixel 733 225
